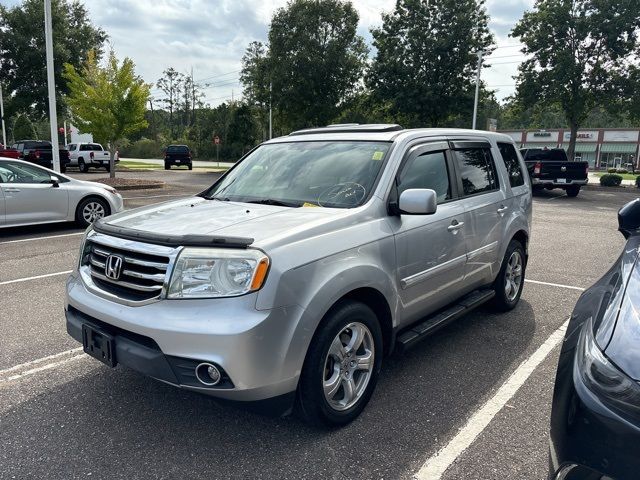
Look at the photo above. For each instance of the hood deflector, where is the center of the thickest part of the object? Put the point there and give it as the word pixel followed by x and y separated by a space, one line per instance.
pixel 171 240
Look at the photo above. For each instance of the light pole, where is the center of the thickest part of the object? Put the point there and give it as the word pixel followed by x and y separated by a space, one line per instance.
pixel 270 112
pixel 475 101
pixel 53 116
pixel 4 133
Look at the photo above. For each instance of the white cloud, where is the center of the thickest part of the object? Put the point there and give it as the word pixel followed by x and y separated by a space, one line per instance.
pixel 210 36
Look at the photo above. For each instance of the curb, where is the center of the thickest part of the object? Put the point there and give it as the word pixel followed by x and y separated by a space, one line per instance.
pixel 147 186
pixel 628 189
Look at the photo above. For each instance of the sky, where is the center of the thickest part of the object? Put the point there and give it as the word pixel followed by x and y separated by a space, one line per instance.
pixel 210 36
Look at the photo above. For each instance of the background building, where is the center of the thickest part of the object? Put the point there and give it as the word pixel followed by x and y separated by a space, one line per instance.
pixel 603 148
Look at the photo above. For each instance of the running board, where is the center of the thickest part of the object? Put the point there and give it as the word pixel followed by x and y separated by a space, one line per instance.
pixel 418 331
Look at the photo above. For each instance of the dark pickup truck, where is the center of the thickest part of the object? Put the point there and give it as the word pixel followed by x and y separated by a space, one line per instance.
pixel 551 168
pixel 40 153
pixel 177 155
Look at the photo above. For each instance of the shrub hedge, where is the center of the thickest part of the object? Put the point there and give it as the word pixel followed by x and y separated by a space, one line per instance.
pixel 610 180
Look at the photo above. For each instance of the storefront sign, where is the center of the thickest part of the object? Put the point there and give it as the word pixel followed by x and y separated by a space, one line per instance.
pixel 583 136
pixel 542 136
pixel 517 136
pixel 621 135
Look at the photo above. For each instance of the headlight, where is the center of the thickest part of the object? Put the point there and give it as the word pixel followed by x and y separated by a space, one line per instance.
pixel 83 250
pixel 211 273
pixel 603 378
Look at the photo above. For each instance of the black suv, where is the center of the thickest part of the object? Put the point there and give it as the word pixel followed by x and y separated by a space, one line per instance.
pixel 177 155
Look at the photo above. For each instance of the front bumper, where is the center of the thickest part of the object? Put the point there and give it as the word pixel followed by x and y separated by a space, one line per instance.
pixel 256 349
pixel 588 439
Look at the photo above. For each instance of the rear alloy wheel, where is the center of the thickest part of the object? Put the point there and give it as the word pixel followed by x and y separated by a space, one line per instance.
pixel 510 280
pixel 90 210
pixel 573 191
pixel 82 166
pixel 342 366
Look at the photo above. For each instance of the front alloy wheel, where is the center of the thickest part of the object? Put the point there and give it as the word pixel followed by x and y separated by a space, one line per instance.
pixel 348 366
pixel 342 365
pixel 91 210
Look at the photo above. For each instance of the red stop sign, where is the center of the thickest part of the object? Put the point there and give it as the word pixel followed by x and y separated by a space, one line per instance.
pixel 216 140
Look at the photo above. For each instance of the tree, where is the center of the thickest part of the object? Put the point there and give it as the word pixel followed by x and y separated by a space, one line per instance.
pixel 171 85
pixel 22 51
pixel 108 101
pixel 256 80
pixel 314 60
pixel 23 128
pixel 581 53
pixel 425 63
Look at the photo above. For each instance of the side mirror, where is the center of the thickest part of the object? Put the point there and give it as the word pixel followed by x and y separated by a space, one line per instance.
pixel 418 201
pixel 629 218
pixel 55 181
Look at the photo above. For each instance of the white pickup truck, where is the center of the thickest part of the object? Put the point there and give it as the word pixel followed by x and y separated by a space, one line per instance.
pixel 85 155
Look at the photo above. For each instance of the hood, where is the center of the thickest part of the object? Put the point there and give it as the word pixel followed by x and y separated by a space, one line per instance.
pixel 198 216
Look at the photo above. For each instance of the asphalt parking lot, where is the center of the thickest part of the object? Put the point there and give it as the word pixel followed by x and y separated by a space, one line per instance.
pixel 64 415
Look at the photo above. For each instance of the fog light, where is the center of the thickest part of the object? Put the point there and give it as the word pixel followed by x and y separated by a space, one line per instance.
pixel 208 374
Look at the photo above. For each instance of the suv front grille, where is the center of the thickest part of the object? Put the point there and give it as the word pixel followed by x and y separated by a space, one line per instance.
pixel 141 276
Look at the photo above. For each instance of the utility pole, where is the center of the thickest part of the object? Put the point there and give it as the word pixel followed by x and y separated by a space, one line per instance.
pixel 53 116
pixel 4 133
pixel 270 112
pixel 475 102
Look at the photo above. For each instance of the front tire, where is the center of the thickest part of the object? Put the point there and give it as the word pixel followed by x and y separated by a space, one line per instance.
pixel 342 365
pixel 510 281
pixel 167 166
pixel 82 166
pixel 90 210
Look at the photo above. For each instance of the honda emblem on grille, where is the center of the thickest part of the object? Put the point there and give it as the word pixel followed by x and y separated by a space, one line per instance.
pixel 113 267
pixel 563 169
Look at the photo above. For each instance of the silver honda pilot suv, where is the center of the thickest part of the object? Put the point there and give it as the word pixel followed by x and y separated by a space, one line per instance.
pixel 289 280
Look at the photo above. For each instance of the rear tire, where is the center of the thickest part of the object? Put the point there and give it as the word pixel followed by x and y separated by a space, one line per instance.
pixel 91 209
pixel 573 191
pixel 82 166
pixel 107 167
pixel 510 281
pixel 167 166
pixel 341 368
pixel 190 166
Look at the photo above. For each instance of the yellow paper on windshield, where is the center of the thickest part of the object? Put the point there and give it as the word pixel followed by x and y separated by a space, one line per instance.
pixel 307 204
pixel 377 155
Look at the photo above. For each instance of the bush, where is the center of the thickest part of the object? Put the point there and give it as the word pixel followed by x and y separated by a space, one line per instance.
pixel 143 148
pixel 610 180
pixel 622 170
pixel 612 170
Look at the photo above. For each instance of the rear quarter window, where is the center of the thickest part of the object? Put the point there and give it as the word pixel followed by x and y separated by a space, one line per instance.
pixel 512 163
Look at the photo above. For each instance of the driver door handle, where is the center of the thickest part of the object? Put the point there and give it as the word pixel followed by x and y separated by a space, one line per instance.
pixel 455 226
pixel 11 190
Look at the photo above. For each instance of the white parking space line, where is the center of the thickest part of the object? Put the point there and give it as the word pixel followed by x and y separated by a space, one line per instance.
pixel 435 467
pixel 41 238
pixel 32 363
pixel 26 279
pixel 560 285
pixel 47 366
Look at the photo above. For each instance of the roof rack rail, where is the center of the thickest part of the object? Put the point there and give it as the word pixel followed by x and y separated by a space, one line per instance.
pixel 351 128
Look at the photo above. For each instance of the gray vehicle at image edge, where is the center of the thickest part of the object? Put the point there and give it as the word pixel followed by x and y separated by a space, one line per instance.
pixel 287 282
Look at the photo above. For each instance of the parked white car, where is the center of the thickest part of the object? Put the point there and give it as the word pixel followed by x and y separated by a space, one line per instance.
pixel 86 155
pixel 30 194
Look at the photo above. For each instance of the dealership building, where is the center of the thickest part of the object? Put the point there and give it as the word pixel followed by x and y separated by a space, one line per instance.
pixel 603 148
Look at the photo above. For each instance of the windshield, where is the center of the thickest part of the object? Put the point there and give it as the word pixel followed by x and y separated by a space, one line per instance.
pixel 324 174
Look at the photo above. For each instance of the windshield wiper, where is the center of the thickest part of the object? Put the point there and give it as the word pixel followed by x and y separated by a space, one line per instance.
pixel 273 201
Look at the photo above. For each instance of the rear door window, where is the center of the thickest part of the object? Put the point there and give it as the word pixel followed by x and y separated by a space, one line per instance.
pixel 477 170
pixel 512 162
